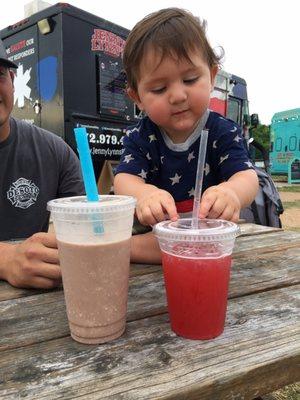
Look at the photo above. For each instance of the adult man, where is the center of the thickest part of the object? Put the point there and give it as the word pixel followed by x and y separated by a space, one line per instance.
pixel 35 166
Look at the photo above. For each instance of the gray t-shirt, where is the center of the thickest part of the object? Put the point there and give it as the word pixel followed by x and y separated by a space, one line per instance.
pixel 35 166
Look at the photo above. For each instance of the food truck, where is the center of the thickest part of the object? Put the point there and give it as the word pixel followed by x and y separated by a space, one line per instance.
pixel 285 140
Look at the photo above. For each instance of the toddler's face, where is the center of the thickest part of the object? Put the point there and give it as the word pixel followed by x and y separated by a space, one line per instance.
pixel 174 92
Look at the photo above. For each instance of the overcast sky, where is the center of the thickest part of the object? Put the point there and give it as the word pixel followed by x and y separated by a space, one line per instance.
pixel 260 39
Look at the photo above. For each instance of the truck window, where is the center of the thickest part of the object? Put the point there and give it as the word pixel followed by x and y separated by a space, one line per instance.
pixel 292 143
pixel 218 101
pixel 234 110
pixel 278 144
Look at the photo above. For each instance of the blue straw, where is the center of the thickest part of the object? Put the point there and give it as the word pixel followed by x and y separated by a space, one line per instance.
pixel 87 172
pixel 86 164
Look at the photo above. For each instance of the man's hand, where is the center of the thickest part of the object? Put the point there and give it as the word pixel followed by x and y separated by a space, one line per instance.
pixel 33 263
pixel 152 207
pixel 220 202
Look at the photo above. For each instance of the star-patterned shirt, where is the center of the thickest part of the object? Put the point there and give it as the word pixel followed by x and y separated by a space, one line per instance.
pixel 150 154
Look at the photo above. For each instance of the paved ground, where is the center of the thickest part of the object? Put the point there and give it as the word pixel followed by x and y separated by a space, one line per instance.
pixel 291 217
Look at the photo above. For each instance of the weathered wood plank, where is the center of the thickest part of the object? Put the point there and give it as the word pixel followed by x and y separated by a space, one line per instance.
pixel 269 240
pixel 254 273
pixel 151 362
pixel 9 292
pixel 274 240
pixel 143 269
pixel 278 240
pixel 248 229
pixel 42 317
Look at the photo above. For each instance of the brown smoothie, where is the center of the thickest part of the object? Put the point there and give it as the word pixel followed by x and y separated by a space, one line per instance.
pixel 95 280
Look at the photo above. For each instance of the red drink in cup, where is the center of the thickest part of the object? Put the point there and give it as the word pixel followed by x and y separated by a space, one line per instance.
pixel 196 265
pixel 201 313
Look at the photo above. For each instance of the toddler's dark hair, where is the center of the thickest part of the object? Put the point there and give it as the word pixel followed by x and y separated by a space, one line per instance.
pixel 174 32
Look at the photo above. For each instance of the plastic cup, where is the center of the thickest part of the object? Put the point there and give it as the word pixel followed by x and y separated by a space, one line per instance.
pixel 95 267
pixel 196 266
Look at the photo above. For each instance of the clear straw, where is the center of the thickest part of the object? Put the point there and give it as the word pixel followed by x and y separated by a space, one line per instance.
pixel 88 173
pixel 199 178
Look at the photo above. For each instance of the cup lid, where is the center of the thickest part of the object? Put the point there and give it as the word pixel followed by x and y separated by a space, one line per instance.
pixel 79 204
pixel 209 230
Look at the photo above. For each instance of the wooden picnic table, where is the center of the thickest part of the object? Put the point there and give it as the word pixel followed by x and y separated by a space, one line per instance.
pixel 258 352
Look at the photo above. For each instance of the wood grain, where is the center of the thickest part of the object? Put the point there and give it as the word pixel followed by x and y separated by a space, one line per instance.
pixel 248 229
pixel 151 362
pixel 258 352
pixel 273 239
pixel 42 317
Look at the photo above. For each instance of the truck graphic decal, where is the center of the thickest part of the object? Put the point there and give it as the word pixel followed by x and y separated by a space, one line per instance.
pixel 47 76
pixel 22 90
pixel 107 42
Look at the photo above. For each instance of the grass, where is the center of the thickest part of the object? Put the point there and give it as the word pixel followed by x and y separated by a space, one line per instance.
pixel 294 229
pixel 279 178
pixel 291 392
pixel 294 189
pixel 291 204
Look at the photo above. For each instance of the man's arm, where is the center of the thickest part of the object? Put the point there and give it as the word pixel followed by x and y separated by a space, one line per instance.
pixel 31 264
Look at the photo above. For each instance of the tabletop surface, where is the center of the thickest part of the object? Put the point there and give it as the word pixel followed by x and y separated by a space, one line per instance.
pixel 258 352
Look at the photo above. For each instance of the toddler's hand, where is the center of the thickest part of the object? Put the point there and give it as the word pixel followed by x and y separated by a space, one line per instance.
pixel 220 202
pixel 152 208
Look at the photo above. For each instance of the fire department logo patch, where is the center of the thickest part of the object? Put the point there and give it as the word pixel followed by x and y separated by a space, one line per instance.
pixel 23 193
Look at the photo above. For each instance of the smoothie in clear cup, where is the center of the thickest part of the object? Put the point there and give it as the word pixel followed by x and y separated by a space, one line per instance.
pixel 196 265
pixel 94 251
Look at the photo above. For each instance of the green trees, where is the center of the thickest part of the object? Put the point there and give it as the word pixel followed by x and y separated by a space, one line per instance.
pixel 262 135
